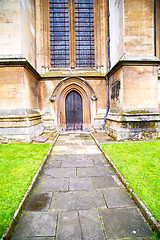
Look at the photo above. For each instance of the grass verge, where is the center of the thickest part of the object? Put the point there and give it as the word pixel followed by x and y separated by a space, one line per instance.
pixel 139 163
pixel 18 165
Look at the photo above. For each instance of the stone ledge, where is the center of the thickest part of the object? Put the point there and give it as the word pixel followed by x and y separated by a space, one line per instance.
pixel 133 134
pixel 18 118
pixel 133 116
pixel 25 134
pixel 127 60
pixel 138 125
pixel 17 61
pixel 77 72
pixel 19 112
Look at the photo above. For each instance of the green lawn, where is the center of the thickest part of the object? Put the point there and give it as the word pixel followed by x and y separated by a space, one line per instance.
pixel 18 164
pixel 139 163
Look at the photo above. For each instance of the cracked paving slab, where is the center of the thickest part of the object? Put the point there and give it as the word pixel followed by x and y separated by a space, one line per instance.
pixel 50 184
pixel 35 224
pixel 77 200
pixel 122 223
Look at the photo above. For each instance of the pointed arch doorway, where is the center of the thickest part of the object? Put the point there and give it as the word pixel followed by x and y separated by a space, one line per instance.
pixel 74 111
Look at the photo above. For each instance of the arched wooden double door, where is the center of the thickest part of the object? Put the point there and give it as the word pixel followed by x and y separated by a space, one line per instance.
pixel 74 111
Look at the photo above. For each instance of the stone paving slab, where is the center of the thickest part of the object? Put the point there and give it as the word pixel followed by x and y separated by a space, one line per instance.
pixel 103 138
pixel 83 184
pixel 68 226
pixel 76 157
pixel 92 150
pixel 57 157
pixel 40 139
pixel 103 182
pixel 74 163
pixel 119 183
pixel 61 148
pixel 94 171
pixel 91 225
pixel 61 172
pixel 50 184
pixel 100 163
pixel 77 200
pixel 117 198
pixel 120 223
pixel 53 164
pixel 36 224
pixel 39 202
pixel 98 156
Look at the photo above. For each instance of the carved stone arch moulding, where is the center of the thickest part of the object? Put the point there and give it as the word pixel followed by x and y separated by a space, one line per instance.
pixel 60 92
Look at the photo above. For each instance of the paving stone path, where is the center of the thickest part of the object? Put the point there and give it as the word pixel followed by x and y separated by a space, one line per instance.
pixel 78 196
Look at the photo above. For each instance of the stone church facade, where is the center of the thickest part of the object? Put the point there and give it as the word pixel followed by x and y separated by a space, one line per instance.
pixel 80 65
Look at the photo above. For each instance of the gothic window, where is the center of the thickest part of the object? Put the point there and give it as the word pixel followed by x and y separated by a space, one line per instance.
pixel 72 33
pixel 59 33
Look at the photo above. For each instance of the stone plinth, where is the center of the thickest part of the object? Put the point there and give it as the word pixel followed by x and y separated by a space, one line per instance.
pixel 133 125
pixel 20 124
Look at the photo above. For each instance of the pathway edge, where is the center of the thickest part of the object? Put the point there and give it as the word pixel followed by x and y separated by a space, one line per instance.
pixel 21 206
pixel 146 213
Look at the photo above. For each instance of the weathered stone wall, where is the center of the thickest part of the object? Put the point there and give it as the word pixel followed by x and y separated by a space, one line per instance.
pixel 10 33
pixel 138 27
pixel 140 85
pixel 134 102
pixel 42 36
pixel 31 90
pixel 11 87
pixel 134 88
pixel 18 88
pixel 17 29
pixel 47 86
pixel 28 30
pixel 159 93
pixel 116 90
pixel 19 118
pixel 158 28
pixel 116 30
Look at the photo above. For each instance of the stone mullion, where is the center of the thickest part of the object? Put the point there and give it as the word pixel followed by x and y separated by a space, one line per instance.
pixel 105 45
pixel 158 28
pixel 97 25
pixel 72 42
pixel 95 32
pixel 46 36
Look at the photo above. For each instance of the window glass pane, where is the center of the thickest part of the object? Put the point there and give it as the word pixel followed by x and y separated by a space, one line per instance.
pixel 84 32
pixel 59 33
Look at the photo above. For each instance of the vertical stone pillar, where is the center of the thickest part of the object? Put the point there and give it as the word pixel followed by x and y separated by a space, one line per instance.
pixel 134 112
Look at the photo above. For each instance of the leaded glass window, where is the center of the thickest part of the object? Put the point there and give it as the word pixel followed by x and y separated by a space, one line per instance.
pixel 84 30
pixel 61 32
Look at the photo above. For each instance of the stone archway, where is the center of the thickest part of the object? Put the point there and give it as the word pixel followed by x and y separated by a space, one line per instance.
pixel 84 89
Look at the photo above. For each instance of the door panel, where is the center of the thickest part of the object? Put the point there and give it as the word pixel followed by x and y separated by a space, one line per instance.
pixel 74 113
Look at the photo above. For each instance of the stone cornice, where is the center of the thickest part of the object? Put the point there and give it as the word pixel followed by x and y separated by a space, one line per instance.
pixel 18 61
pixel 134 61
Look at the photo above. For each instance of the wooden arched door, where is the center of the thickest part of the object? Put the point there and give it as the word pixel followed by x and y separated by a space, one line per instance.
pixel 74 111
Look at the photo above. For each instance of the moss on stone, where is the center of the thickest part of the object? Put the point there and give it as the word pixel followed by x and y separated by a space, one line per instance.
pixel 73 74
